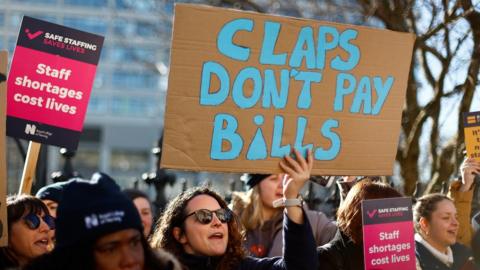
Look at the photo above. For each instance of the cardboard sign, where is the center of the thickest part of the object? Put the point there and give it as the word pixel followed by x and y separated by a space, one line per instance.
pixel 244 88
pixel 388 237
pixel 49 83
pixel 3 150
pixel 471 124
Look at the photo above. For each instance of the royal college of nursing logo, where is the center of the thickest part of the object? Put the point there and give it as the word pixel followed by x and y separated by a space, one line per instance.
pixel 30 129
pixel 95 220
pixel 91 221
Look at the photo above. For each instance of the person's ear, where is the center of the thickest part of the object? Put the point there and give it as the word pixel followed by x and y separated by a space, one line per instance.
pixel 424 226
pixel 179 235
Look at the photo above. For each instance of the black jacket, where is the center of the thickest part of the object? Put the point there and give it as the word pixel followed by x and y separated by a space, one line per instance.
pixel 7 261
pixel 340 254
pixel 299 252
pixel 429 262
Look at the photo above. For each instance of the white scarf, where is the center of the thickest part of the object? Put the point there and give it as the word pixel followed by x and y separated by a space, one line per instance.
pixel 447 259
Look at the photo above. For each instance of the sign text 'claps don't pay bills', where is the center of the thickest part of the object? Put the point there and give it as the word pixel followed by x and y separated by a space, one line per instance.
pixel 246 88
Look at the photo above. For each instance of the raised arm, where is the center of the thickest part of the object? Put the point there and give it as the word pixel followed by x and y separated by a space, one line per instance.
pixel 461 192
pixel 299 251
pixel 298 170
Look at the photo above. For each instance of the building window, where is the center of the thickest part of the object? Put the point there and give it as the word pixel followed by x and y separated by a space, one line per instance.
pixel 126 166
pixel 104 53
pixel 120 105
pixel 2 19
pixel 145 107
pixel 12 42
pixel 128 28
pixel 136 5
pixel 37 1
pixel 100 78
pixel 122 79
pixel 98 105
pixel 89 3
pixel 14 20
pixel 136 54
pixel 94 25
pixel 129 161
pixel 86 160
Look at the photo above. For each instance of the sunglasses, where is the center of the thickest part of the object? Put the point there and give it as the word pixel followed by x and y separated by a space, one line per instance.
pixel 205 216
pixel 33 221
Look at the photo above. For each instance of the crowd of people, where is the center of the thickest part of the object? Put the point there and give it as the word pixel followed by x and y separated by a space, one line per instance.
pixel 94 225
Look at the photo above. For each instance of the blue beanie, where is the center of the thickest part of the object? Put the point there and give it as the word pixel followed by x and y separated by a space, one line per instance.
pixel 51 192
pixel 93 208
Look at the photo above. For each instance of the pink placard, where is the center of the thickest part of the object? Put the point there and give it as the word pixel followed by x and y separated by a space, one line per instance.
pixel 389 246
pixel 50 80
pixel 49 89
pixel 388 235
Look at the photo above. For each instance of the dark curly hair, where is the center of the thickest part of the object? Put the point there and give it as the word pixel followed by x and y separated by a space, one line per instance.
pixel 173 216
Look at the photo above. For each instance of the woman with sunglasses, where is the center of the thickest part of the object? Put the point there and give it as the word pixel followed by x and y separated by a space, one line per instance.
pixel 29 223
pixel 203 233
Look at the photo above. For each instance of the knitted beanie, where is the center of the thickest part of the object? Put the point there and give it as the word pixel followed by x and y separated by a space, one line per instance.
pixel 52 192
pixel 252 179
pixel 93 208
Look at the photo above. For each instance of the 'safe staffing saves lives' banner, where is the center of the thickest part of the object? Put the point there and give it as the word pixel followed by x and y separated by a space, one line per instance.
pixel 244 88
pixel 388 236
pixel 49 83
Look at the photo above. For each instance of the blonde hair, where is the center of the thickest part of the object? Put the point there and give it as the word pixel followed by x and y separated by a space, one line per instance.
pixel 249 207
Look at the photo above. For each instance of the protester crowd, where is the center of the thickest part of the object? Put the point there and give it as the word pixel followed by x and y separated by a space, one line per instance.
pixel 93 224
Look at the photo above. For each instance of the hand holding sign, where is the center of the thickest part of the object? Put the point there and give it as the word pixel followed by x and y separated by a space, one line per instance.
pixel 298 171
pixel 471 128
pixel 469 168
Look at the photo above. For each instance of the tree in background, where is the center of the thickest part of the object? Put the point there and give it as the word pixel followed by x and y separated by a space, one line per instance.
pixel 445 63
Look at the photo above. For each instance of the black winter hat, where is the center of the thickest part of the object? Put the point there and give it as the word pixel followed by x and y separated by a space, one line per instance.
pixel 51 192
pixel 252 179
pixel 93 208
